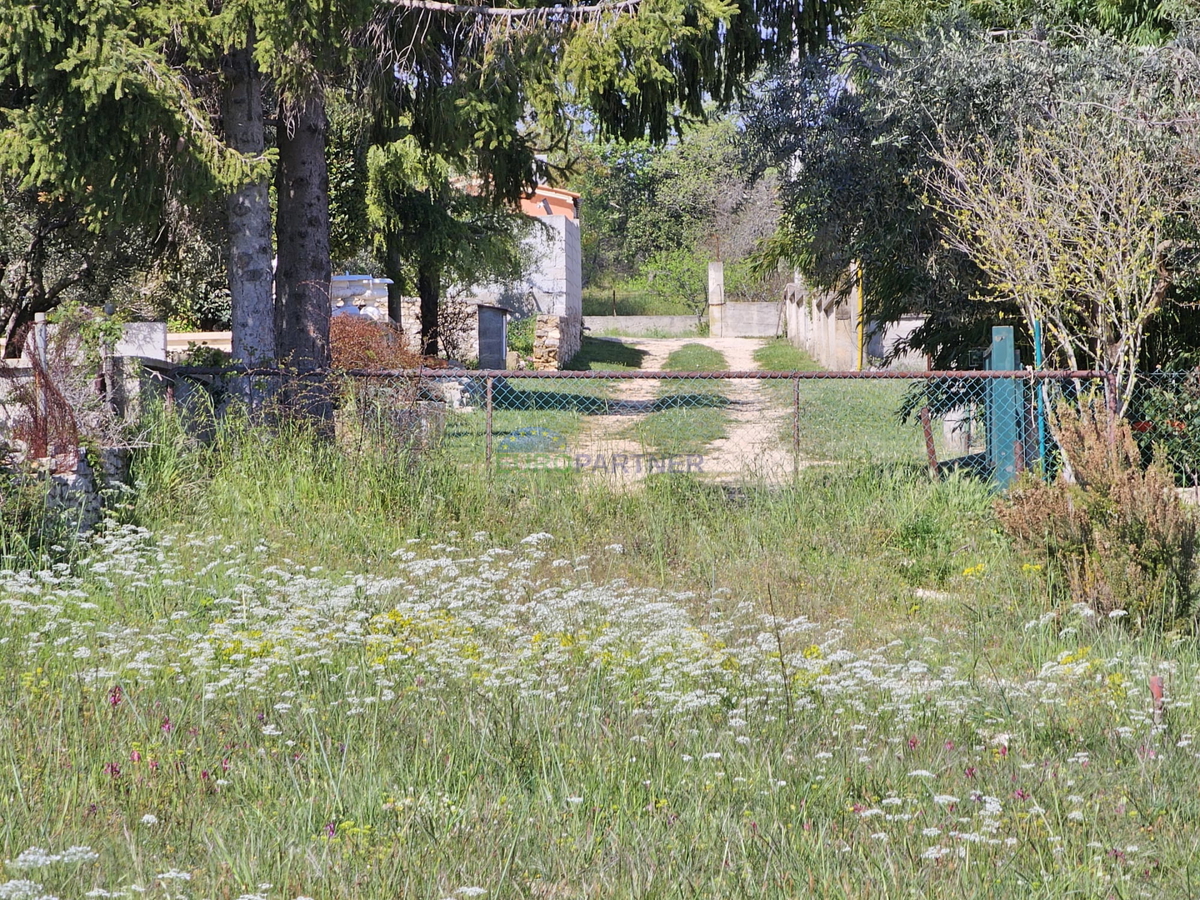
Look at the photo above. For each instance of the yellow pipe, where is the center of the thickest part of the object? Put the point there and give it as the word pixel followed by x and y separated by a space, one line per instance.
pixel 862 325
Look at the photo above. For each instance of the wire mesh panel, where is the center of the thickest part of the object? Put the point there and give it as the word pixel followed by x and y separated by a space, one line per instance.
pixel 1163 410
pixel 718 426
pixel 628 428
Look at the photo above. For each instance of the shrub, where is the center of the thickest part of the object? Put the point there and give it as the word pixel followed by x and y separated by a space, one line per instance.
pixel 1119 535
pixel 30 528
pixel 521 334
pixel 360 343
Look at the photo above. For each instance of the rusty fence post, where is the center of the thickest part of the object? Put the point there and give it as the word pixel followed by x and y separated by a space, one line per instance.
pixel 795 428
pixel 930 449
pixel 488 424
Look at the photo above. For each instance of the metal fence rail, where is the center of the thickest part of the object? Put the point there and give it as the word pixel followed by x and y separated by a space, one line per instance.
pixel 726 426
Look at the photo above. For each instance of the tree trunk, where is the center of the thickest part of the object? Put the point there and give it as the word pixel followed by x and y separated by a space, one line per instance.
pixel 302 276
pixel 429 287
pixel 248 215
pixel 393 268
pixel 17 329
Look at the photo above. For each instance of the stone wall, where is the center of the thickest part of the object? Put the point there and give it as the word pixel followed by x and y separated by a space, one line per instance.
pixel 556 339
pixel 79 496
pixel 644 326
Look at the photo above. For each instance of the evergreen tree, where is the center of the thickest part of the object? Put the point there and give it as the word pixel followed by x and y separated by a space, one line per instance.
pixel 107 104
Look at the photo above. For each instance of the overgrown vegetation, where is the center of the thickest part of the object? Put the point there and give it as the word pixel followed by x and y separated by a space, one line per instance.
pixel 346 674
pixel 656 216
pixel 843 420
pixel 863 132
pixel 1117 537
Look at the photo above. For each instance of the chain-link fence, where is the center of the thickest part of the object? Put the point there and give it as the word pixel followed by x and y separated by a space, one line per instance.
pixel 725 426
pixel 1164 414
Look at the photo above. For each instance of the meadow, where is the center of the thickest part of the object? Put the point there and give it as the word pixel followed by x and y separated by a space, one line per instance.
pixel 285 670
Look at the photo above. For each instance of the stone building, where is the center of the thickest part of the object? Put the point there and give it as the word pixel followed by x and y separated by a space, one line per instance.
pixel 552 290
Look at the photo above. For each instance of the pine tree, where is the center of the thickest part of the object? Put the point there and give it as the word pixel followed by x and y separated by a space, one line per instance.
pixel 107 103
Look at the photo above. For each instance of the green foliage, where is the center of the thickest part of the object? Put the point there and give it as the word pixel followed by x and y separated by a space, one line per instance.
pixel 90 330
pixel 631 298
pixel 858 159
pixel 98 115
pixel 437 233
pixel 30 532
pixel 1166 421
pixel 642 75
pixel 1081 240
pixel 678 278
pixel 654 216
pixel 183 280
pixel 781 355
pixel 204 356
pixel 521 334
pixel 347 148
pixel 1138 21
pixel 48 257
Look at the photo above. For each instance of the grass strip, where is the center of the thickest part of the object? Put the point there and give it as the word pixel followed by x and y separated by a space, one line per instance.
pixel 688 414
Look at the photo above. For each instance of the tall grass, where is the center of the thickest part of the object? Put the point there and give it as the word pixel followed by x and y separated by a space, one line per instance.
pixel 323 671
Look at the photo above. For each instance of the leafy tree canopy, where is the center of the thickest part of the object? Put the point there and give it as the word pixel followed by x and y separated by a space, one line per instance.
pixel 861 130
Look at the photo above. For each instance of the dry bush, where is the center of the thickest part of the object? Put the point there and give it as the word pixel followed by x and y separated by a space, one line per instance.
pixel 46 425
pixel 385 413
pixel 360 343
pixel 1119 535
pixel 457 322
pixel 68 401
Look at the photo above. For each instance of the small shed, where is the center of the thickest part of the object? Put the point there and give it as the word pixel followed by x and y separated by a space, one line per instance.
pixel 493 336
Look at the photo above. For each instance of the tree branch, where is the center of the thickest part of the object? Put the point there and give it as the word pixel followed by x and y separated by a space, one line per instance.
pixel 516 13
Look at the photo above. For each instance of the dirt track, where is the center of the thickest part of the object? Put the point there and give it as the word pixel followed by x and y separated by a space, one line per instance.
pixel 755 444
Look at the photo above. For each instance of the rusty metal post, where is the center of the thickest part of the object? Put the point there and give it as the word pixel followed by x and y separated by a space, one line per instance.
pixel 930 449
pixel 488 424
pixel 795 428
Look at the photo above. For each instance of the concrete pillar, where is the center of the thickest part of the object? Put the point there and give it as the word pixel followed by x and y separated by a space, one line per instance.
pixel 716 298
